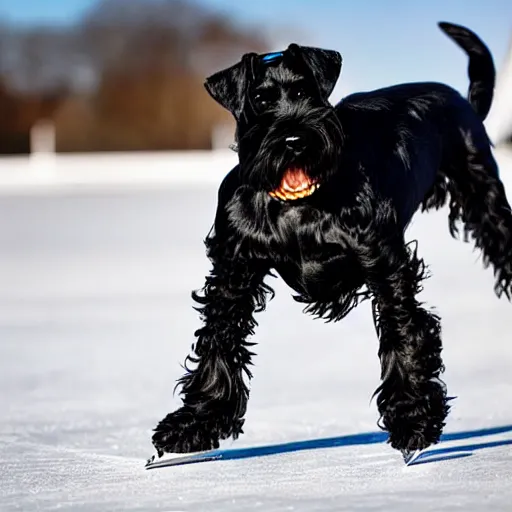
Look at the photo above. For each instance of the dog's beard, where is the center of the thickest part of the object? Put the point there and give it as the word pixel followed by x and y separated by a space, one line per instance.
pixel 267 165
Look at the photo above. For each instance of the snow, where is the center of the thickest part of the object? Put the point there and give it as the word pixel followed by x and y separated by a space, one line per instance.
pixel 96 319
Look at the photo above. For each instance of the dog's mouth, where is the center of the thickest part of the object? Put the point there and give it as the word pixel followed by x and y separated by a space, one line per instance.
pixel 295 184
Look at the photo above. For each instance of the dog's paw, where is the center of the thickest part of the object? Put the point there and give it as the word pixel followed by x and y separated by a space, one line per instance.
pixel 182 432
pixel 416 422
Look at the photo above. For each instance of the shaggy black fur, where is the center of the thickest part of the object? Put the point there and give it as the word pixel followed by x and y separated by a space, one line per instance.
pixel 378 157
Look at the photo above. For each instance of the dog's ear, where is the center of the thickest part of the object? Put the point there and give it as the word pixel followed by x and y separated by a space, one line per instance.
pixel 325 65
pixel 228 87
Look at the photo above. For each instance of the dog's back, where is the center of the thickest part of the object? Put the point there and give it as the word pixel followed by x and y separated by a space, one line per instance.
pixel 404 135
pixel 420 100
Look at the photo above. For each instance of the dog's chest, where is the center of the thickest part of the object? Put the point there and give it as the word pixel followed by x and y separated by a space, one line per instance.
pixel 304 247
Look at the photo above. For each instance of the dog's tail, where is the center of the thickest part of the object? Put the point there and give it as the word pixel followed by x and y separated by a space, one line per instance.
pixel 481 71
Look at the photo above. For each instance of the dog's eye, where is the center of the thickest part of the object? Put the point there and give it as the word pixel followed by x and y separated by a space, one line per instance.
pixel 260 99
pixel 263 99
pixel 297 93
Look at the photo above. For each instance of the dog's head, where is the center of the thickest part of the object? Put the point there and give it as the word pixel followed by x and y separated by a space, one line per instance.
pixel 287 132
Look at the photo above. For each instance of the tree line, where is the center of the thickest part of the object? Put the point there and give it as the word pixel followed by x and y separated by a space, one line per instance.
pixel 128 77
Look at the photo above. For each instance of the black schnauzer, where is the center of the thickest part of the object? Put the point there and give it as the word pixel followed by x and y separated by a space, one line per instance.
pixel 322 195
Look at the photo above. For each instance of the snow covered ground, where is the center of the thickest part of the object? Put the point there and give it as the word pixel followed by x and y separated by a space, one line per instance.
pixel 96 318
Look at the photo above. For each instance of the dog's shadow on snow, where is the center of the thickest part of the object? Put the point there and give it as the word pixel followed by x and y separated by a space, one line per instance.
pixel 466 450
pixel 431 455
pixel 456 452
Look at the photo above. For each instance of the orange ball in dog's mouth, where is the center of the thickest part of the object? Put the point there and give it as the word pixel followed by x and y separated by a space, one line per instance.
pixel 295 184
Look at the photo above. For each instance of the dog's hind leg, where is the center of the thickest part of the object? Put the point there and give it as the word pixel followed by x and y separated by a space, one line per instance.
pixel 214 392
pixel 478 199
pixel 411 399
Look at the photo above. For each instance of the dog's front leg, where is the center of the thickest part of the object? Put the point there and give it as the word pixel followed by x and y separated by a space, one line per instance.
pixel 214 392
pixel 411 398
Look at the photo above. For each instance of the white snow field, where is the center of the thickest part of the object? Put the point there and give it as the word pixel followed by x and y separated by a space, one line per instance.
pixel 96 319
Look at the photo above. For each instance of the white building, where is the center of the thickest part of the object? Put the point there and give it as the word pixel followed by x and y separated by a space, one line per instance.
pixel 499 122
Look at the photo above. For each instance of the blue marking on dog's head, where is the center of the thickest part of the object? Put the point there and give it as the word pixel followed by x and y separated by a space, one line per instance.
pixel 269 57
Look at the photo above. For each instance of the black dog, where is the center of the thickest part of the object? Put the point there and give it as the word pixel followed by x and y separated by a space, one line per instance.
pixel 323 195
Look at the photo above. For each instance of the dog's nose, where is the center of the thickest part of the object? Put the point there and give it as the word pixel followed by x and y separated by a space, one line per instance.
pixel 295 143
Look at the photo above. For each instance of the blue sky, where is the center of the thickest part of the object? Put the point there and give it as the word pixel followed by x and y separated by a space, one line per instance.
pixel 382 41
